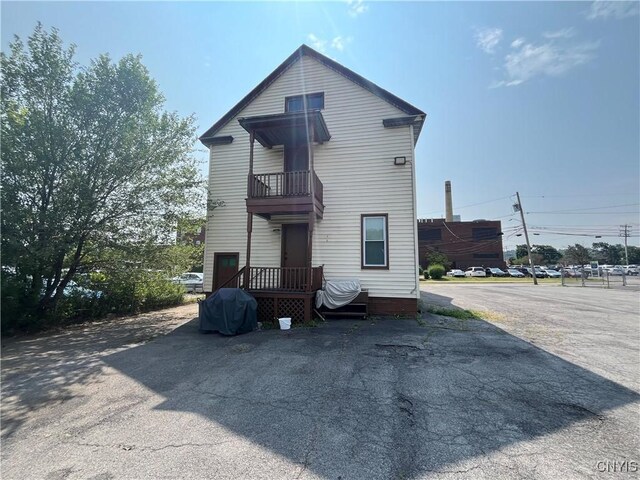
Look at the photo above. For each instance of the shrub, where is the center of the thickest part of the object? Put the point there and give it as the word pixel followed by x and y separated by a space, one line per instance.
pixel 436 272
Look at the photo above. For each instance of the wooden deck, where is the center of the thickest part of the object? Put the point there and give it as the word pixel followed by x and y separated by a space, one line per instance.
pixel 280 291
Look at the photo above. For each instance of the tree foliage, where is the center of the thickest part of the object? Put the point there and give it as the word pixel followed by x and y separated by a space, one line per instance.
pixel 434 257
pixel 577 254
pixel 91 162
pixel 608 254
pixel 549 254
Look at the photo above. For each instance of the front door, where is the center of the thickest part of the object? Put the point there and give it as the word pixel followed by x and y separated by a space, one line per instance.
pixel 225 266
pixel 296 165
pixel 294 255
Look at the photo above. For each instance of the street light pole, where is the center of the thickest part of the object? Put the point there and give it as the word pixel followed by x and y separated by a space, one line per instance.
pixel 526 237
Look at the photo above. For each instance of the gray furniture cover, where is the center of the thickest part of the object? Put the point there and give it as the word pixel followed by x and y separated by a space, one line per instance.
pixel 229 311
pixel 337 293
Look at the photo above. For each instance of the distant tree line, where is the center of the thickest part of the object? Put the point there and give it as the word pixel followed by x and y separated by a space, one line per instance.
pixel 577 254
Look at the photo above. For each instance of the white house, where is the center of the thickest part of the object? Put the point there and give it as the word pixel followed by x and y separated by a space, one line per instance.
pixel 316 169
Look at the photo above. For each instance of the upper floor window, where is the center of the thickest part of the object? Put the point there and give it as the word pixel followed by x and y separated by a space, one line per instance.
pixel 429 235
pixel 484 233
pixel 375 241
pixel 314 101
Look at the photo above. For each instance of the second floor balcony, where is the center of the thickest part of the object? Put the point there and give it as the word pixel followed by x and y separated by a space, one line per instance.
pixel 281 193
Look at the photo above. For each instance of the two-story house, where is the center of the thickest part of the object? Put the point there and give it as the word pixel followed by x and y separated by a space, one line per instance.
pixel 316 169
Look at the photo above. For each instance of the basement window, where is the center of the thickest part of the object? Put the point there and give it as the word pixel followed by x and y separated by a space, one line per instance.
pixel 313 101
pixel 375 241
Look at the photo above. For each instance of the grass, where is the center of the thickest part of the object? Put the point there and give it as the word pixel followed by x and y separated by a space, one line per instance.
pixel 460 314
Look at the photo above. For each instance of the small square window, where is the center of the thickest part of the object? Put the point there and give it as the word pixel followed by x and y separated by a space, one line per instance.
pixel 313 101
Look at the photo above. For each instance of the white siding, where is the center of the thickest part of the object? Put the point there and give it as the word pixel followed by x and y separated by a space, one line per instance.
pixel 356 168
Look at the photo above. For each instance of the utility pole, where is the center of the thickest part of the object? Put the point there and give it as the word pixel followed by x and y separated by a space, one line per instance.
pixel 518 207
pixel 625 231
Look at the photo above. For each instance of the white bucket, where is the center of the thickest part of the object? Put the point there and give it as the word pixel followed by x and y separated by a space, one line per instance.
pixel 285 323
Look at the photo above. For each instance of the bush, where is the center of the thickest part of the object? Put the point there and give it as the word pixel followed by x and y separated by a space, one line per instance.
pixel 98 295
pixel 436 272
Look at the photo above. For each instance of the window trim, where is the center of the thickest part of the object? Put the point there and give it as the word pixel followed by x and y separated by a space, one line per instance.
pixel 307 95
pixel 386 241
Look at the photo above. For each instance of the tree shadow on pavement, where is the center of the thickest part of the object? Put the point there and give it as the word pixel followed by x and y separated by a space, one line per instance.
pixel 386 398
pixel 47 369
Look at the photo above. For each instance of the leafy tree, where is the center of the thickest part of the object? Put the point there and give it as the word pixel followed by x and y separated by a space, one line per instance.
pixel 91 161
pixel 634 255
pixel 577 254
pixel 547 253
pixel 608 254
pixel 521 251
pixel 434 257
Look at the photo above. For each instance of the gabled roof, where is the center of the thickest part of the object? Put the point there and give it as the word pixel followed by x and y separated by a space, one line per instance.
pixel 389 97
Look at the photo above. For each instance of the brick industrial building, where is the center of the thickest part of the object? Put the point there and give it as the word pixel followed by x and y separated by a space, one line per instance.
pixel 466 244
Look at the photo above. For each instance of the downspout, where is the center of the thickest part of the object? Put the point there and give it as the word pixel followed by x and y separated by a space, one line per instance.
pixel 416 289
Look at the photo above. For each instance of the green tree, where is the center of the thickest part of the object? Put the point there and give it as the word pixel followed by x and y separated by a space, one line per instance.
pixel 547 253
pixel 634 255
pixel 521 251
pixel 434 257
pixel 90 161
pixel 577 254
pixel 608 254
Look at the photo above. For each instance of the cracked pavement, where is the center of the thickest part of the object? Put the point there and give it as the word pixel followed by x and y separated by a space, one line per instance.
pixel 527 396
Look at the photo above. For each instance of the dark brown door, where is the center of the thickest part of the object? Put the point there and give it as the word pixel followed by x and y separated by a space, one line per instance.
pixel 225 266
pixel 294 255
pixel 296 164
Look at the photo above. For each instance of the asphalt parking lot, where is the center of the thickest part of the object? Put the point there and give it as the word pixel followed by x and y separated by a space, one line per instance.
pixel 547 389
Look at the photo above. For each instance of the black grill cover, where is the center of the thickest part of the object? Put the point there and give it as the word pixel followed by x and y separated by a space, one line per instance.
pixel 229 311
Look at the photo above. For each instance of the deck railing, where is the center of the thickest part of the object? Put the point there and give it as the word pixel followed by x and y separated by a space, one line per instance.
pixel 284 184
pixel 291 279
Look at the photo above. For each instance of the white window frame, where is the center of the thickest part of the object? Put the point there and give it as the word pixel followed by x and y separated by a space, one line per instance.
pixel 385 240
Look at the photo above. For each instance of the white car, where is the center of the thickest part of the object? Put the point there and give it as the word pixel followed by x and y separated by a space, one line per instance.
pixel 192 281
pixel 455 273
pixel 631 270
pixel 475 272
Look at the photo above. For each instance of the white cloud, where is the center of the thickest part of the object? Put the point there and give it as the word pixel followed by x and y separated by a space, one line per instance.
pixel 618 10
pixel 317 43
pixel 340 42
pixel 488 38
pixel 562 33
pixel 356 7
pixel 518 42
pixel 548 59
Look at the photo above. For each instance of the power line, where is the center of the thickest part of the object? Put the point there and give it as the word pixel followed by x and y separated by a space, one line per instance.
pixel 470 205
pixel 591 208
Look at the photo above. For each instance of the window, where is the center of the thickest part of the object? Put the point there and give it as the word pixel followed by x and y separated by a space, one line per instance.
pixel 484 233
pixel 485 255
pixel 375 241
pixel 430 235
pixel 314 101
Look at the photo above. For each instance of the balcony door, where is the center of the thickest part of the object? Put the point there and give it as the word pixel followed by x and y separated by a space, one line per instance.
pixel 294 254
pixel 296 164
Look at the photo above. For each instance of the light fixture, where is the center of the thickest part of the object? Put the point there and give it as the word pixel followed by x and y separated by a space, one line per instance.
pixel 400 160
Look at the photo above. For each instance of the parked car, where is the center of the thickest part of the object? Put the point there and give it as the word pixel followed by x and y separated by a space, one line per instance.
pixel 496 272
pixel 571 272
pixel 552 273
pixel 631 270
pixel 616 271
pixel 514 272
pixel 455 273
pixel 475 272
pixel 192 281
pixel 539 273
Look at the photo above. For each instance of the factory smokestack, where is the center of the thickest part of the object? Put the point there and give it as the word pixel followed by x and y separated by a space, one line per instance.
pixel 448 202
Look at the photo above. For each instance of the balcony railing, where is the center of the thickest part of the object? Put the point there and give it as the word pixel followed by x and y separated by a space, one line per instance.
pixel 290 279
pixel 284 184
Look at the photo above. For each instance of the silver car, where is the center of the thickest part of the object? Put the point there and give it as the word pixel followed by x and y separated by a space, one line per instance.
pixel 192 281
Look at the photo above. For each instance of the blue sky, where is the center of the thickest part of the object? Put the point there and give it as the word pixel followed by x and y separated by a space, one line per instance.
pixel 540 98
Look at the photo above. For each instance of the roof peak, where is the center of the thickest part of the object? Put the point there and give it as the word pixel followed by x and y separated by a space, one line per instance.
pixel 305 50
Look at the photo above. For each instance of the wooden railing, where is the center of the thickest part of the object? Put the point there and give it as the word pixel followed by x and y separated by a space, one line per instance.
pixel 292 279
pixel 237 281
pixel 284 184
